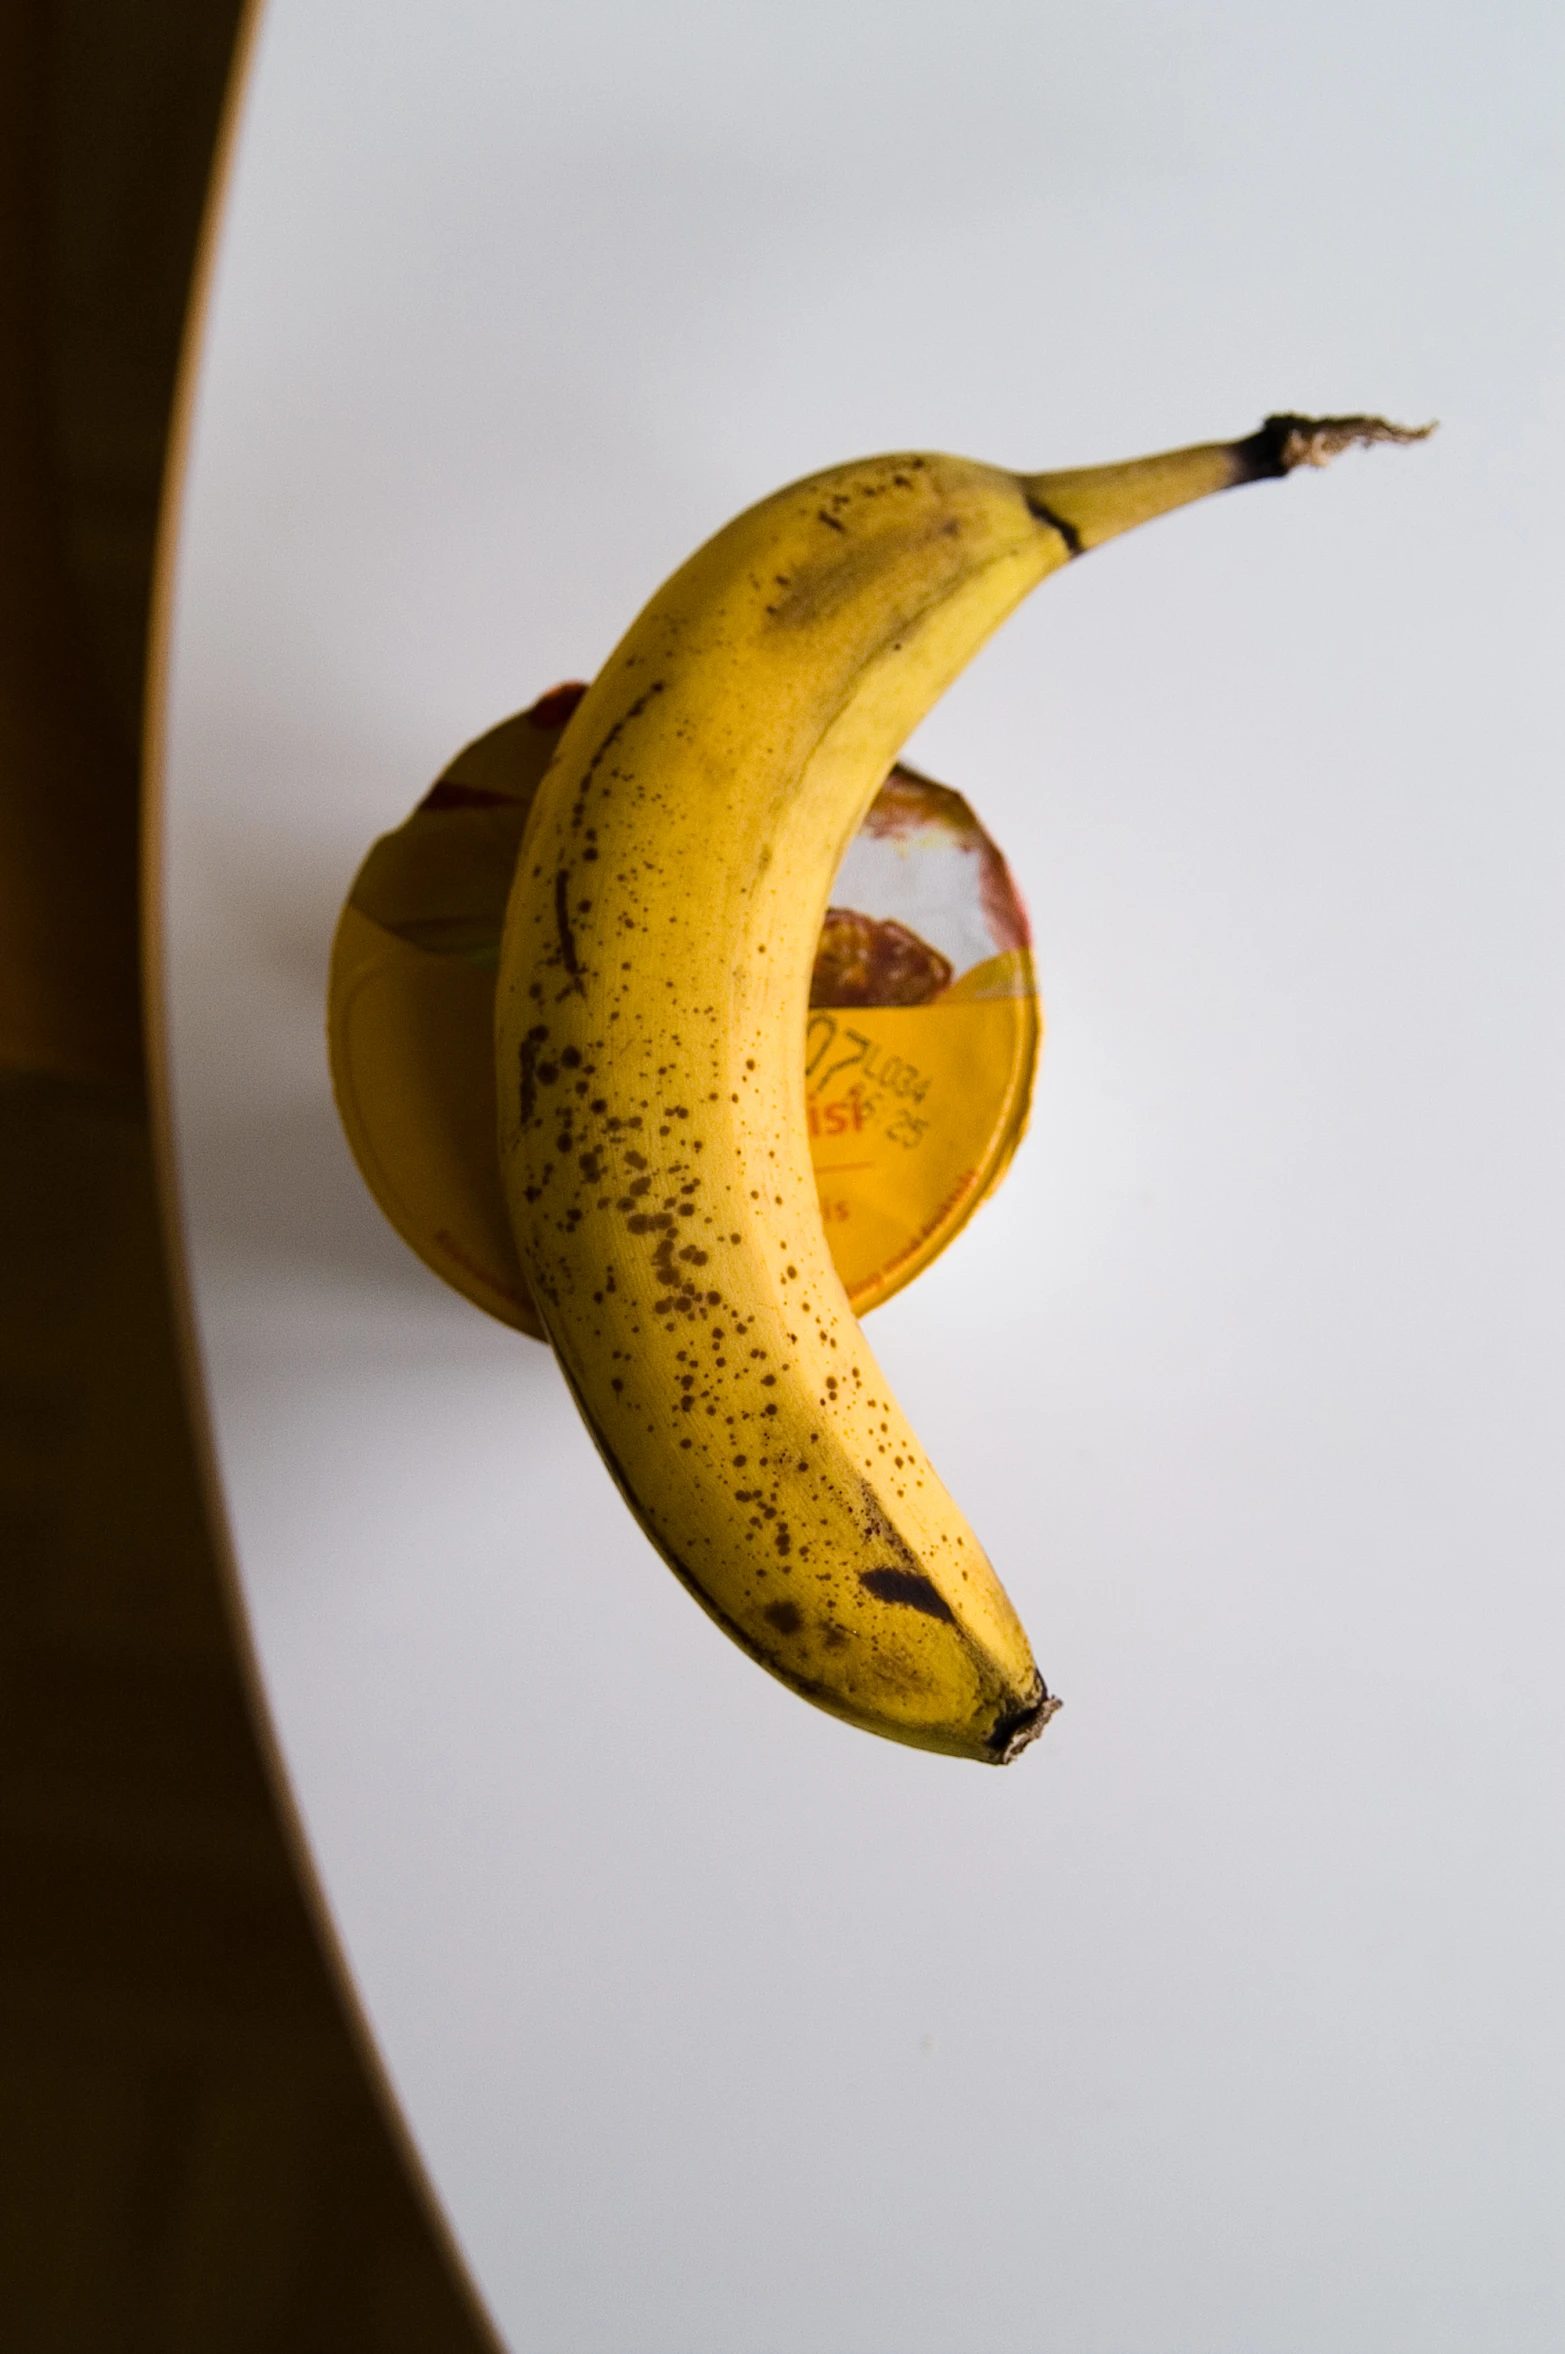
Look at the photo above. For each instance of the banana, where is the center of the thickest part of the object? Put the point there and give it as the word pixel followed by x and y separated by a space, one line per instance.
pixel 654 974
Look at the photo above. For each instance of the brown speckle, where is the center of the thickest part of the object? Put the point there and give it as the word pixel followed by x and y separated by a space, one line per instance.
pixel 910 1588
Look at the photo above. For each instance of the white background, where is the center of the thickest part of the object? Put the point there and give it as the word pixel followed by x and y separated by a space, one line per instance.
pixel 1230 2020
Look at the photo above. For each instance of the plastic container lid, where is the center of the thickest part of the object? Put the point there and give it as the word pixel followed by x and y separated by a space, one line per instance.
pixel 922 1041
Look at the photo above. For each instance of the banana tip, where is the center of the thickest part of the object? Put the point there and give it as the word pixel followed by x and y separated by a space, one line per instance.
pixel 1018 1730
pixel 1285 442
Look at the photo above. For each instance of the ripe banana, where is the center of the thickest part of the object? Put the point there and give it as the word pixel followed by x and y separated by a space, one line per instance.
pixel 651 1007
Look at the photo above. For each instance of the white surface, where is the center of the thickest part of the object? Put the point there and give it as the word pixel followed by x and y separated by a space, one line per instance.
pixel 1229 2021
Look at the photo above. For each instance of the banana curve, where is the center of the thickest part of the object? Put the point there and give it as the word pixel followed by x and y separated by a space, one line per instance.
pixel 723 1375
pixel 652 1001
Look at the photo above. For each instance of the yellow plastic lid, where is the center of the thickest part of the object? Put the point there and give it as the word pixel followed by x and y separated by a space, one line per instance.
pixel 923 1036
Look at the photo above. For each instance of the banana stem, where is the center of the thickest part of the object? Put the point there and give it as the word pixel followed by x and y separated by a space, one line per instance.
pixel 1096 503
pixel 1285 442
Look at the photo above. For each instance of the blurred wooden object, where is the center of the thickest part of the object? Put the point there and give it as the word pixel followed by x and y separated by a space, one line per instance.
pixel 196 2152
